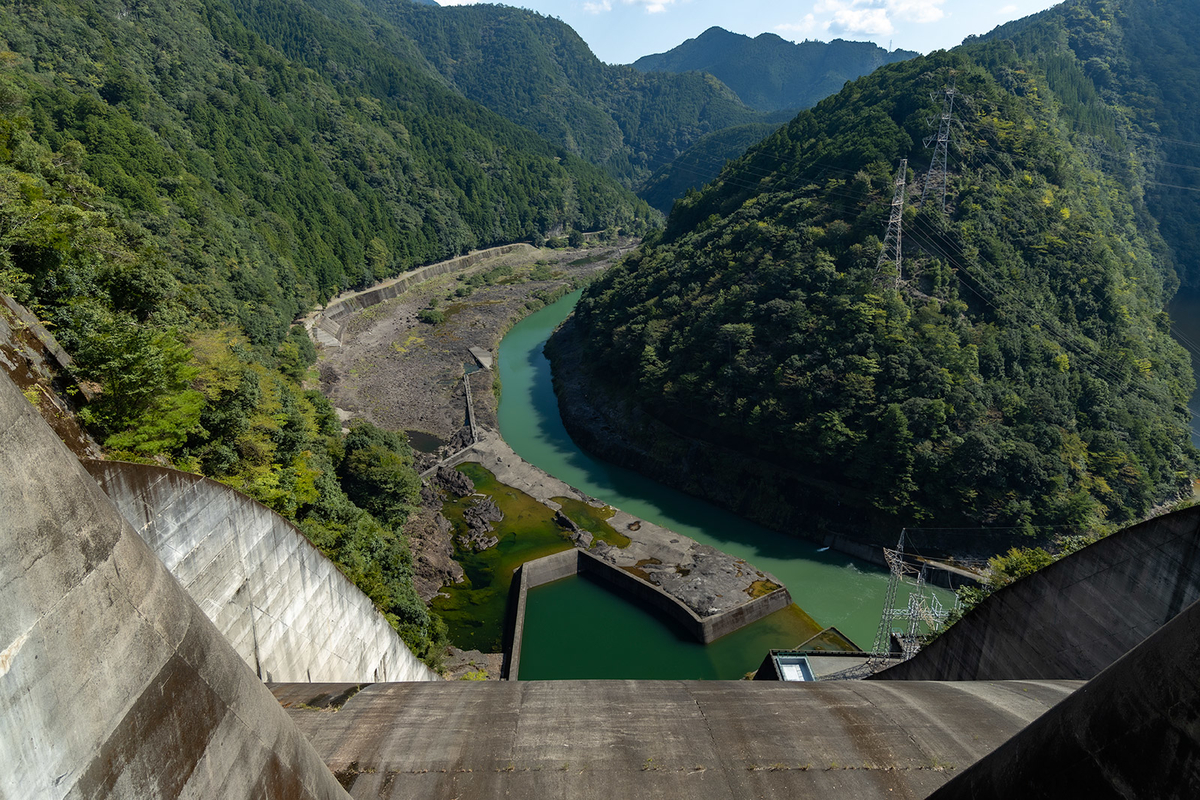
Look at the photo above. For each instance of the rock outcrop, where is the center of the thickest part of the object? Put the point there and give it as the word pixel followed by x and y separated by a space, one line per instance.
pixel 479 517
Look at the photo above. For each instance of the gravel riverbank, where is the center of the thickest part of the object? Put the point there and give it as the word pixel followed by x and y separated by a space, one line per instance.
pixel 400 372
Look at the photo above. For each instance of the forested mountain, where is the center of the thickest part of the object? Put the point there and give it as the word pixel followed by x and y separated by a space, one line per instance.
pixel 537 72
pixel 1019 372
pixel 1136 64
pixel 179 180
pixel 770 73
pixel 700 163
pixel 340 168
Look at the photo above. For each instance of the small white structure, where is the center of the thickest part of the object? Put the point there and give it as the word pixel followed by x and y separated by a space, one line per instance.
pixel 793 667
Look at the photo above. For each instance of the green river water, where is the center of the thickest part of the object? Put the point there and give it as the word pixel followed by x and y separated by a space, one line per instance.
pixel 575 628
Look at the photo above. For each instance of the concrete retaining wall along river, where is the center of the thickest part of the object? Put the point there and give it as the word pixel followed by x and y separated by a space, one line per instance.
pixel 332 320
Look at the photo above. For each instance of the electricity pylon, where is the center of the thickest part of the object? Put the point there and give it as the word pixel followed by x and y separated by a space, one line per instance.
pixel 938 175
pixel 923 608
pixel 892 239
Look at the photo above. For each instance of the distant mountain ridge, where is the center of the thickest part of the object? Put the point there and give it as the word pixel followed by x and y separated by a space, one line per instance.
pixel 770 73
pixel 537 72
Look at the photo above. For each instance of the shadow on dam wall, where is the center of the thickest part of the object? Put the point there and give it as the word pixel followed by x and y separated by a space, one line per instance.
pixel 113 682
pixel 1132 731
pixel 284 607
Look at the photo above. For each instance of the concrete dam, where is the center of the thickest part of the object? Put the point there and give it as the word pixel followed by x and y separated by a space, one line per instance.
pixel 115 682
pixel 285 608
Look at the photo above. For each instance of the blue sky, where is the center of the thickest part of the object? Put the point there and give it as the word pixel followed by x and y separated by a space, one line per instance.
pixel 621 31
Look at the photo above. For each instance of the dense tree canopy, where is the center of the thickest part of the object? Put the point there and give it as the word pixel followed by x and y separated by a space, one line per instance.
pixel 537 72
pixel 1135 64
pixel 275 156
pixel 1019 372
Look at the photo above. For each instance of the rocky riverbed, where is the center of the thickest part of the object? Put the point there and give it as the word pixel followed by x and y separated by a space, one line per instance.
pixel 401 366
pixel 401 373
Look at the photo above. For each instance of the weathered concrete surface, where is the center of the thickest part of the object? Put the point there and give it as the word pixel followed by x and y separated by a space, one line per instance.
pixel 113 683
pixel 709 582
pixel 482 356
pixel 33 359
pixel 1132 731
pixel 285 608
pixel 1076 616
pixel 687 739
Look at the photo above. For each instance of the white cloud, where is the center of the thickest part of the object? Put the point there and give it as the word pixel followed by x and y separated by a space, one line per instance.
pixel 601 6
pixel 861 21
pixel 916 10
pixel 805 26
pixel 1008 9
pixel 864 17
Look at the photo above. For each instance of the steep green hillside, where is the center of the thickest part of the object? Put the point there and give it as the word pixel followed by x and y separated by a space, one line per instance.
pixel 206 400
pixel 179 180
pixel 1136 64
pixel 1019 372
pixel 268 183
pixel 700 163
pixel 770 73
pixel 537 72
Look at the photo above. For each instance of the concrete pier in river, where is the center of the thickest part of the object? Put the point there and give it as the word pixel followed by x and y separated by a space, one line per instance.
pixel 714 592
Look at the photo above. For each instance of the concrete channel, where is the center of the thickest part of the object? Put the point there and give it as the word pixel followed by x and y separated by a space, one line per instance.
pixel 550 568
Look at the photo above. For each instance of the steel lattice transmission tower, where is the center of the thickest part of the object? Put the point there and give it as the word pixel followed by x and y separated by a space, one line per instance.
pixel 923 607
pixel 938 175
pixel 892 239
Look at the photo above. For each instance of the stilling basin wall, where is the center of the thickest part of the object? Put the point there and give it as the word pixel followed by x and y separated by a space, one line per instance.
pixel 113 683
pixel 285 608
pixel 1073 618
pixel 575 561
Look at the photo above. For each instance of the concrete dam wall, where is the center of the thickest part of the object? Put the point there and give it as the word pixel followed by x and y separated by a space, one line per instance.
pixel 284 607
pixel 1073 618
pixel 1131 731
pixel 113 682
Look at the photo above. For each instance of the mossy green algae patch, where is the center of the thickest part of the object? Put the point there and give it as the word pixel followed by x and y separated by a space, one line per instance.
pixel 594 520
pixel 474 609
